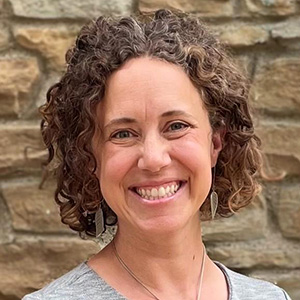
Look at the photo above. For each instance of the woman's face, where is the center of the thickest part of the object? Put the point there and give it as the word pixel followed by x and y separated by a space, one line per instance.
pixel 154 146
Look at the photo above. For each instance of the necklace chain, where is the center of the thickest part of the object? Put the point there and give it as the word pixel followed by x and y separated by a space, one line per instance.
pixel 143 285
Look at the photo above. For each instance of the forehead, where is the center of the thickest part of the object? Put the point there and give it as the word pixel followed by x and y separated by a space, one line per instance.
pixel 148 85
pixel 143 67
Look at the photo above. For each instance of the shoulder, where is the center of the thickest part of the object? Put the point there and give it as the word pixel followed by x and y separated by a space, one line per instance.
pixel 81 283
pixel 247 288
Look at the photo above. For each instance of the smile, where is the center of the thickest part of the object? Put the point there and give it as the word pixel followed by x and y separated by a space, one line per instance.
pixel 159 192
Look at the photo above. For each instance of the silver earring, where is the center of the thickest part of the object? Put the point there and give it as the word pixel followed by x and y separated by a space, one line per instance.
pixel 99 222
pixel 213 197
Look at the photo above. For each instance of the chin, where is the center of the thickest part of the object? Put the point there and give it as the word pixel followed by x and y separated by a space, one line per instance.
pixel 163 225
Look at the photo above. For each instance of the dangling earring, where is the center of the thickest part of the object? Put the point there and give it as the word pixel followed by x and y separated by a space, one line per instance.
pixel 213 197
pixel 104 216
pixel 99 222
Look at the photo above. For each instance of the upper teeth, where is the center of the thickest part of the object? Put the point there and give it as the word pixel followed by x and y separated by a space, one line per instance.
pixel 158 192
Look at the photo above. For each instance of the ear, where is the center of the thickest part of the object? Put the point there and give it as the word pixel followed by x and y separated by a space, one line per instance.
pixel 216 145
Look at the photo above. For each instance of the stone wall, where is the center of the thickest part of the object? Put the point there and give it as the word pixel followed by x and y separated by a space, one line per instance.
pixel 262 240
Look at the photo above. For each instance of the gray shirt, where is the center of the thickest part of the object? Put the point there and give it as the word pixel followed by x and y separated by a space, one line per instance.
pixel 82 283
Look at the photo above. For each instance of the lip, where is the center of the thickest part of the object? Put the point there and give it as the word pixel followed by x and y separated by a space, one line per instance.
pixel 162 200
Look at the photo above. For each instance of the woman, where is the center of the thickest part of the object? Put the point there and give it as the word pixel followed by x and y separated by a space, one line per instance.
pixel 152 129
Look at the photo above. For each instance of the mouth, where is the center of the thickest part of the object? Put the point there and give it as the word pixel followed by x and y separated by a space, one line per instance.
pixel 159 192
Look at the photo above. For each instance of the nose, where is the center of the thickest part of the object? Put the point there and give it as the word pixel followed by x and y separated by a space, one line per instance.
pixel 155 154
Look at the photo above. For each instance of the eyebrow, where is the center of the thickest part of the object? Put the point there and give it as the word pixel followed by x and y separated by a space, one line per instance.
pixel 172 113
pixel 119 121
pixel 126 120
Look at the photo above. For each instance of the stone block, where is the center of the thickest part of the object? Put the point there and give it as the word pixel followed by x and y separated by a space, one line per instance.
pixel 288 211
pixel 280 138
pixel 268 253
pixel 31 208
pixel 286 30
pixel 34 262
pixel 6 235
pixel 245 64
pixel 50 79
pixel 271 7
pixel 286 279
pixel 21 146
pixel 276 86
pixel 239 227
pixel 243 35
pixel 18 77
pixel 44 9
pixel 278 163
pixel 281 144
pixel 4 36
pixel 212 8
pixel 52 43
pixel 290 44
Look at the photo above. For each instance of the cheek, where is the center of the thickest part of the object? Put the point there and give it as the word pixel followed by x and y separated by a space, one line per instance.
pixel 195 156
pixel 193 153
pixel 116 163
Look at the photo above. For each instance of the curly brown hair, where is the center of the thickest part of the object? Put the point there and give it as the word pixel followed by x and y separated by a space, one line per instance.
pixel 104 45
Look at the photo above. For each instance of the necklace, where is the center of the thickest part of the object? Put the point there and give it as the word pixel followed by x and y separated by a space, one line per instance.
pixel 143 285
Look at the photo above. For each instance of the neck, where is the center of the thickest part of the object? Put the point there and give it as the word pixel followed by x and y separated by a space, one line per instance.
pixel 164 261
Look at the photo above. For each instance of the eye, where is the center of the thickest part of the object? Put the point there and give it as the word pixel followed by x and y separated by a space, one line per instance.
pixel 122 134
pixel 177 126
